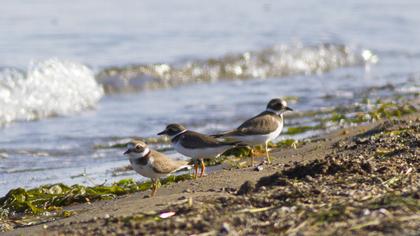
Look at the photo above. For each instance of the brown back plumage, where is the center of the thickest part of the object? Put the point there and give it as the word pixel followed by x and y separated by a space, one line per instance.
pixel 192 140
pixel 264 123
pixel 165 165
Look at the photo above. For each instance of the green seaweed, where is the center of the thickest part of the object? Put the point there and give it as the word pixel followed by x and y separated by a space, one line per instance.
pixel 51 198
pixel 242 151
pixel 382 110
pixel 336 117
pixel 389 110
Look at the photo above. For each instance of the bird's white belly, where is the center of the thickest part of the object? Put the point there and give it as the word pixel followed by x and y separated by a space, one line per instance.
pixel 146 170
pixel 260 138
pixel 198 153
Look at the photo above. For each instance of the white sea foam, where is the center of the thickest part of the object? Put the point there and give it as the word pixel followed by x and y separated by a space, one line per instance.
pixel 49 88
pixel 277 61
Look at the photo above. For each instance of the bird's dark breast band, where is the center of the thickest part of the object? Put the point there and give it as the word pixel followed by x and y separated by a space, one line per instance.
pixel 143 160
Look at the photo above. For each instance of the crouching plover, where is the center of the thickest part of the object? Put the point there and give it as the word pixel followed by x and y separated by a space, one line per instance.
pixel 152 164
pixel 195 145
pixel 261 128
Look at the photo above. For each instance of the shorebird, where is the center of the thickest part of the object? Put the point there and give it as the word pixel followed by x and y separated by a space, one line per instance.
pixel 195 145
pixel 262 128
pixel 152 164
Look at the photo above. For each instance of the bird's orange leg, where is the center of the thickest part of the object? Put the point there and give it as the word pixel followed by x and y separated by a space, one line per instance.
pixel 203 168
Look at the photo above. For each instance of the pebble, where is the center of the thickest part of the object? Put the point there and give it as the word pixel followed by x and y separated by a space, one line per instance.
pixel 309 178
pixel 226 230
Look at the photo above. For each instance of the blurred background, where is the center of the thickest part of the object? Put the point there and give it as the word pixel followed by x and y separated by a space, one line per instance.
pixel 79 78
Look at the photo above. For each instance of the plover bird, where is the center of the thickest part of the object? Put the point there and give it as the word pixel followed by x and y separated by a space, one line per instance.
pixel 261 128
pixel 195 145
pixel 152 164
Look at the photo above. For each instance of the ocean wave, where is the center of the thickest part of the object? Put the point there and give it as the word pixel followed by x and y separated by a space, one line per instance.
pixel 277 61
pixel 49 88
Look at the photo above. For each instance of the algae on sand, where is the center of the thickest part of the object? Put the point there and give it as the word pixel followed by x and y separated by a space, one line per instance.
pixel 51 198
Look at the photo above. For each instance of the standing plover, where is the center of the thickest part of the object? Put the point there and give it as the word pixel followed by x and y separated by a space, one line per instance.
pixel 151 163
pixel 195 145
pixel 261 128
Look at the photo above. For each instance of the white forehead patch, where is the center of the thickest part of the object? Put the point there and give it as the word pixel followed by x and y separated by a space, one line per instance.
pixel 130 145
pixel 284 103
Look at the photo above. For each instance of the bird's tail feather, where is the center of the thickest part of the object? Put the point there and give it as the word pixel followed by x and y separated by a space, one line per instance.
pixel 221 135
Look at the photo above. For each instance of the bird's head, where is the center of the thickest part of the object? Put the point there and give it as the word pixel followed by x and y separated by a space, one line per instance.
pixel 173 130
pixel 137 148
pixel 278 106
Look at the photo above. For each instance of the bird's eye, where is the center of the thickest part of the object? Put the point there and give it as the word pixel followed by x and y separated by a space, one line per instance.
pixel 137 147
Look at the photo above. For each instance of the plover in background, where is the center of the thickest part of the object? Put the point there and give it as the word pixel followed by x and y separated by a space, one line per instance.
pixel 195 145
pixel 262 128
pixel 152 164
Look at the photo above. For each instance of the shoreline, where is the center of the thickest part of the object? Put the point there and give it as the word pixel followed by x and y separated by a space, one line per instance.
pixel 207 192
pixel 47 166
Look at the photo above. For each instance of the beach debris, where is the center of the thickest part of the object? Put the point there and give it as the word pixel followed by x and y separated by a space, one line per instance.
pixel 166 215
pixel 226 229
pixel 256 210
pixel 259 168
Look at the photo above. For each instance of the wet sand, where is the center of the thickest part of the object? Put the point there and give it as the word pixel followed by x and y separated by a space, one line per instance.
pixel 358 180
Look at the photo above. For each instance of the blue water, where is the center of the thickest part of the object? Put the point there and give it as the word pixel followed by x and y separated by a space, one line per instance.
pixel 60 145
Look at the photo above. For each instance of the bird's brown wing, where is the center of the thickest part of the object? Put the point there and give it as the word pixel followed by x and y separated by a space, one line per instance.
pixel 195 140
pixel 163 164
pixel 261 124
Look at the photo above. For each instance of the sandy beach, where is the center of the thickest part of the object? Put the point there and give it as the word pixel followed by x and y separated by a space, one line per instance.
pixel 351 181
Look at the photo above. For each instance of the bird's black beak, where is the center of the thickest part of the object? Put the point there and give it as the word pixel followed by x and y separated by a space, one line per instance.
pixel 162 133
pixel 288 109
pixel 127 152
